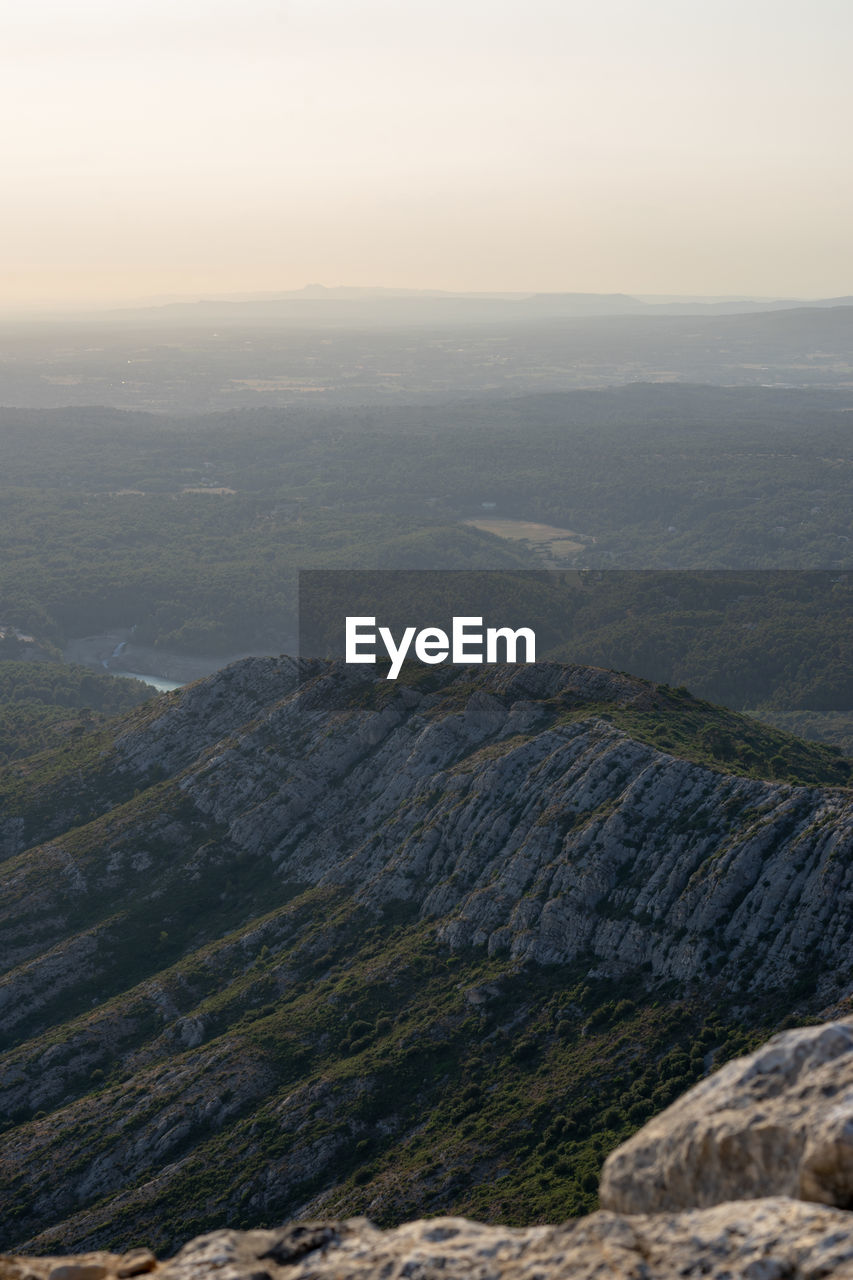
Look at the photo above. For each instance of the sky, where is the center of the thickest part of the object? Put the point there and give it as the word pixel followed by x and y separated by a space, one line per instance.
pixel 196 148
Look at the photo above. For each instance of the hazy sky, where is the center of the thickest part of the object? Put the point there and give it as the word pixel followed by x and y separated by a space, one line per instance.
pixel 196 147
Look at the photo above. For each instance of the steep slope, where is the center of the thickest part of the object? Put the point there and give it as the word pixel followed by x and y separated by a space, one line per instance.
pixel 390 947
pixel 747 1174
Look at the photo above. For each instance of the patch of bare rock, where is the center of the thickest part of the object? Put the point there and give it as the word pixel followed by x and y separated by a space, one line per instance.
pixel 749 1174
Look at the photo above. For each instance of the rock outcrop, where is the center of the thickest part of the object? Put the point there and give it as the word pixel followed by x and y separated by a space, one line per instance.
pixel 772 1239
pixel 519 825
pixel 779 1122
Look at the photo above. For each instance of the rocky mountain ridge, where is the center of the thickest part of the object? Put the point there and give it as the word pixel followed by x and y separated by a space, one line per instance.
pixel 493 807
pixel 265 941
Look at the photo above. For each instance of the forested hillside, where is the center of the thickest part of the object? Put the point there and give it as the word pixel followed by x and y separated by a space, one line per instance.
pixel 194 530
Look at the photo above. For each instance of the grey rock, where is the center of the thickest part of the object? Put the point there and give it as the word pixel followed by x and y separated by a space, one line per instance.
pixel 769 1239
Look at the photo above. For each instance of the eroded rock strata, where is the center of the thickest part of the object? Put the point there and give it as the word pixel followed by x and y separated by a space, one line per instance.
pixel 353 947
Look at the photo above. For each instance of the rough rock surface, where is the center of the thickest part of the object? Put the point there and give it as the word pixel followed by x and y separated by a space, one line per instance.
pixel 773 1239
pixel 766 1119
pixel 778 1122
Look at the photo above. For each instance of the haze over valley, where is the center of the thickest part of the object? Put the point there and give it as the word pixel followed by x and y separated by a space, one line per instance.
pixel 199 358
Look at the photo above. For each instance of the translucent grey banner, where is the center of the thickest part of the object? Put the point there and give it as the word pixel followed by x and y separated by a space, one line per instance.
pixel 747 639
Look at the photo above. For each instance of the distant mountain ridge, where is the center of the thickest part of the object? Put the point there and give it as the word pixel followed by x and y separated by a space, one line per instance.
pixel 437 306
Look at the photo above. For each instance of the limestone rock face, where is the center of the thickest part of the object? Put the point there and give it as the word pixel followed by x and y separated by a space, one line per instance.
pixel 778 1122
pixel 514 830
pixel 164 901
pixel 773 1239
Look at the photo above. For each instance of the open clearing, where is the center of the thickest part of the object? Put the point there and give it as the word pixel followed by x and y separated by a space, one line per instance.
pixel 554 543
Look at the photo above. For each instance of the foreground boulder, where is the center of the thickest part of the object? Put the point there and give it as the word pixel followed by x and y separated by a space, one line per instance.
pixel 723 1184
pixel 773 1239
pixel 778 1122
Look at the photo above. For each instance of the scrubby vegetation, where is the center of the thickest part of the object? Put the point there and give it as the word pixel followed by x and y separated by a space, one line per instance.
pixel 408 1080
pixel 220 1043
pixel 44 704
